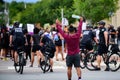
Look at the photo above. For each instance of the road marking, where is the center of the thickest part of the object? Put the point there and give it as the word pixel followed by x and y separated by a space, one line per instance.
pixel 36 67
pixel 59 67
pixel 11 67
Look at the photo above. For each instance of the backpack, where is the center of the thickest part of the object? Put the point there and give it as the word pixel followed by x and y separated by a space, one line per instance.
pixel 49 46
pixel 18 37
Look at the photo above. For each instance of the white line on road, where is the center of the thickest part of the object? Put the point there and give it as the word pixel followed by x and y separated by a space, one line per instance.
pixel 36 67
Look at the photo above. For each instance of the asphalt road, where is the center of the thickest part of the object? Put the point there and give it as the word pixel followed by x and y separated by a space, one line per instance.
pixel 7 72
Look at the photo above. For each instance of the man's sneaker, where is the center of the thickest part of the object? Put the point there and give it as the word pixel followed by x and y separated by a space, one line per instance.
pixel 51 70
pixel 97 69
pixel 107 69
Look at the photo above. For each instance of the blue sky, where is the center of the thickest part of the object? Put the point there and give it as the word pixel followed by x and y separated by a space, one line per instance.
pixel 33 1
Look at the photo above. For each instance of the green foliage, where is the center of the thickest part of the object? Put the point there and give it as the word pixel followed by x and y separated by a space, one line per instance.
pixel 15 9
pixel 47 11
pixel 2 21
pixel 95 10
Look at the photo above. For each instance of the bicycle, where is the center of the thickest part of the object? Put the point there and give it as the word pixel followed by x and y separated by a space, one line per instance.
pixel 85 59
pixel 21 60
pixel 114 58
pixel 45 62
pixel 111 59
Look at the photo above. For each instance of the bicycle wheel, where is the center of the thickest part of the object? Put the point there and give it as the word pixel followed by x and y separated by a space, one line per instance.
pixel 114 61
pixel 45 64
pixel 17 68
pixel 21 64
pixel 17 65
pixel 82 59
pixel 90 61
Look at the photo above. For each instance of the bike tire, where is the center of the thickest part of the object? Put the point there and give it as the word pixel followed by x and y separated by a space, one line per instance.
pixel 90 61
pixel 114 61
pixel 17 67
pixel 82 59
pixel 21 64
pixel 45 65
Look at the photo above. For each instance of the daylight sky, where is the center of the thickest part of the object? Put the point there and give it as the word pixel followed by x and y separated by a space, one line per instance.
pixel 33 1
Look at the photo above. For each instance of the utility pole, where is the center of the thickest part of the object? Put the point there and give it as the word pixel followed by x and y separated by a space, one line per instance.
pixel 6 12
pixel 62 29
pixel 24 4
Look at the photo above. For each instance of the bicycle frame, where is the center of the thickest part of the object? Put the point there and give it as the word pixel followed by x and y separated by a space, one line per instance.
pixel 22 62
pixel 46 65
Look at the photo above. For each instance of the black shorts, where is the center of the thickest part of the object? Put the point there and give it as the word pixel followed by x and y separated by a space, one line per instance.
pixel 58 43
pixel 86 45
pixel 15 47
pixel 36 48
pixel 102 49
pixel 73 60
pixel 4 44
pixel 28 49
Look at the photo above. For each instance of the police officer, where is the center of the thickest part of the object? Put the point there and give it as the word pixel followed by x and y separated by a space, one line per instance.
pixel 17 39
pixel 103 43
pixel 87 38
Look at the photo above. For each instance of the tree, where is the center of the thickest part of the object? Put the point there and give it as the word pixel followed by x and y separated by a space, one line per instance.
pixel 1 5
pixel 15 10
pixel 2 21
pixel 47 11
pixel 95 10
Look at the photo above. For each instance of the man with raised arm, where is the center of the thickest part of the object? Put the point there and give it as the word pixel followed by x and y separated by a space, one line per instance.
pixel 72 41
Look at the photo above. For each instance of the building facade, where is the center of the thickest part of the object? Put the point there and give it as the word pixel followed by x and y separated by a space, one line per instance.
pixel 115 20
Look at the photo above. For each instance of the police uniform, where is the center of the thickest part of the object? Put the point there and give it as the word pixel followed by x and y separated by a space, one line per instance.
pixel 86 41
pixel 18 38
pixel 102 48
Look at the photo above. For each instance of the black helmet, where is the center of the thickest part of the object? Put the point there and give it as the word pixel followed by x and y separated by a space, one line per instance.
pixel 101 23
pixel 89 26
pixel 16 24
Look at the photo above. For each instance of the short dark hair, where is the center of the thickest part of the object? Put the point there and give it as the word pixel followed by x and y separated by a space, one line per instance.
pixel 71 29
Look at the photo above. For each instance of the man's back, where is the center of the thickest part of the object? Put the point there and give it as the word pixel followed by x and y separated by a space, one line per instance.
pixel 73 43
pixel 72 40
pixel 88 36
pixel 18 37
